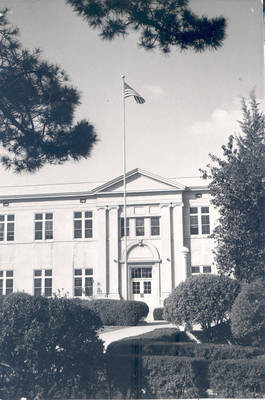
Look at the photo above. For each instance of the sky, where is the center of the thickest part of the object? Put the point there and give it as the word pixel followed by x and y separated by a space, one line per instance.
pixel 192 100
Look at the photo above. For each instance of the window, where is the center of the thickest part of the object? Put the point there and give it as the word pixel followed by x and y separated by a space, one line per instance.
pixel 136 287
pixel 139 226
pixel 205 220
pixel 83 282
pixel 199 214
pixel 6 282
pixel 147 287
pixel 83 224
pixel 155 226
pixel 43 226
pixel 43 282
pixel 7 227
pixel 127 227
pixel 141 272
pixel 206 269
pixel 194 227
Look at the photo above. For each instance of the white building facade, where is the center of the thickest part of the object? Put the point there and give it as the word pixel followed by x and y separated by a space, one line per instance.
pixel 69 239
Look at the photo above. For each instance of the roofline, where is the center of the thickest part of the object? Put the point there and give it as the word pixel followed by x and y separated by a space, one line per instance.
pixel 178 186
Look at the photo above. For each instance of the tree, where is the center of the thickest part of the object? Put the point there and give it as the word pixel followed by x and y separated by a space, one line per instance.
pixel 237 190
pixel 203 299
pixel 37 106
pixel 161 23
pixel 248 316
pixel 50 347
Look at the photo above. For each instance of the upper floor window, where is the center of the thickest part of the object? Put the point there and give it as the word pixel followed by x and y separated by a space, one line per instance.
pixel 43 226
pixel 139 226
pixel 155 226
pixel 43 282
pixel 83 282
pixel 7 227
pixel 127 227
pixel 6 282
pixel 83 224
pixel 199 221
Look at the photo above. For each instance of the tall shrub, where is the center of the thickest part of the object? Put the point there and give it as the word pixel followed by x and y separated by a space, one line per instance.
pixel 51 347
pixel 237 191
pixel 204 299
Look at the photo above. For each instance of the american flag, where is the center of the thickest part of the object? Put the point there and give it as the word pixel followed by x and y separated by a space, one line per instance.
pixel 128 91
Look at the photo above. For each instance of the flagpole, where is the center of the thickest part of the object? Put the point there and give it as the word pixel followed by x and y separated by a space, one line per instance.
pixel 124 194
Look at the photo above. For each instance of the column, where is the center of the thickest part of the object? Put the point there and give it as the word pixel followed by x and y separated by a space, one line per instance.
pixel 114 252
pixel 166 266
pixel 180 266
pixel 101 276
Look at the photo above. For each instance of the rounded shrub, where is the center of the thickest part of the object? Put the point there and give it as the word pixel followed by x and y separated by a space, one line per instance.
pixel 248 315
pixel 203 299
pixel 158 314
pixel 51 348
pixel 118 312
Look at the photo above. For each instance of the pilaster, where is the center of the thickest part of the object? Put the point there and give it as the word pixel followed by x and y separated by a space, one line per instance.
pixel 102 251
pixel 114 252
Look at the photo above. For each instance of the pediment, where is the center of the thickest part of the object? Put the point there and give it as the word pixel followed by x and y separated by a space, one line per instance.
pixel 139 181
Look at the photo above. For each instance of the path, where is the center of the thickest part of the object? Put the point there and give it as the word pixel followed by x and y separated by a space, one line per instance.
pixel 121 333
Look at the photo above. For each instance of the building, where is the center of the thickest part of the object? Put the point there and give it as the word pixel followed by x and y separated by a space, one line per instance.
pixel 70 238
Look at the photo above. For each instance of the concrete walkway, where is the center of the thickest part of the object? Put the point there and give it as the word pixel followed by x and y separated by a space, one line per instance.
pixel 118 334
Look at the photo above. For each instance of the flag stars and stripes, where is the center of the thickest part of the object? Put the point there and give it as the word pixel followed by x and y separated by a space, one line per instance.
pixel 129 91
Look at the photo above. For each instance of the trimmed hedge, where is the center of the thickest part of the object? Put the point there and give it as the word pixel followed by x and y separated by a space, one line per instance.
pixel 156 376
pixel 49 349
pixel 238 378
pixel 209 352
pixel 117 312
pixel 158 314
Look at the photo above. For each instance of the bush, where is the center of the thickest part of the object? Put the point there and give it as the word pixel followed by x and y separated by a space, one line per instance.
pixel 118 312
pixel 202 299
pixel 156 376
pixel 158 314
pixel 238 378
pixel 209 352
pixel 51 346
pixel 248 316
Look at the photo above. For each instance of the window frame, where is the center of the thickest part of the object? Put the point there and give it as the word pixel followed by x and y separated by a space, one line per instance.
pixel 84 275
pixel 196 220
pixel 83 219
pixel 45 276
pixel 6 223
pixel 6 277
pixel 122 227
pixel 140 227
pixel 46 233
pixel 156 226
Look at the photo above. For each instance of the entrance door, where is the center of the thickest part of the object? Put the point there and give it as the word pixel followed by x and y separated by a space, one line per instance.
pixel 141 284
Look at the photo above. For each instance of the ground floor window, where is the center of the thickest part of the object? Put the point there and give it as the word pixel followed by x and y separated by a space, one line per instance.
pixel 83 282
pixel 198 269
pixel 43 282
pixel 6 282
